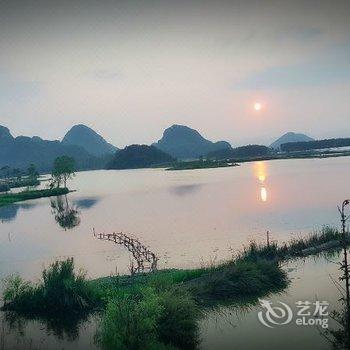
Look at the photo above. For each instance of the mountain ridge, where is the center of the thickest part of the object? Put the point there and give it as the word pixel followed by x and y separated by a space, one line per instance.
pixel 87 138
pixel 20 151
pixel 290 137
pixel 183 142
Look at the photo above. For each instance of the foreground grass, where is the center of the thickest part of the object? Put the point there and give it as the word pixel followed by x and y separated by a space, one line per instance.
pixel 159 310
pixel 59 290
pixel 9 198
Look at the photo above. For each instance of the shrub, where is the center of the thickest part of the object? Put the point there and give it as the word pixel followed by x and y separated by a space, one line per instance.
pixel 178 322
pixel 4 187
pixel 15 288
pixel 130 321
pixel 61 289
pixel 145 317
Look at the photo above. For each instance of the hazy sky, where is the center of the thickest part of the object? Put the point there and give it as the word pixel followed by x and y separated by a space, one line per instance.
pixel 129 69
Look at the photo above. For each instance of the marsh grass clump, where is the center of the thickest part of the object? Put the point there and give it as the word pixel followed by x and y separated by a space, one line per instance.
pixel 149 317
pixel 294 248
pixel 325 235
pixel 60 290
pixel 130 321
pixel 238 281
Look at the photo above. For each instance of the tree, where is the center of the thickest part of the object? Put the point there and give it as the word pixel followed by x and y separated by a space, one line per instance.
pixel 63 170
pixel 17 173
pixel 32 172
pixel 5 170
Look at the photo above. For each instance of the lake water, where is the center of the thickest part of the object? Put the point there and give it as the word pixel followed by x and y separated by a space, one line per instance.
pixel 188 218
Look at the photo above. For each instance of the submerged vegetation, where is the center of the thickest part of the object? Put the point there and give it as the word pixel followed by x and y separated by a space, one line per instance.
pixel 158 310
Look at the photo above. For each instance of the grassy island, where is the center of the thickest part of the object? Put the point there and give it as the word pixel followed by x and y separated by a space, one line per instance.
pixel 10 198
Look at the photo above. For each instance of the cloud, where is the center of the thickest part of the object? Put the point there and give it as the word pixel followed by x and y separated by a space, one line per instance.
pixel 333 68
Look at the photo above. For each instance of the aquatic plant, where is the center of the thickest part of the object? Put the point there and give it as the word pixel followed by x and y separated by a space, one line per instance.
pixel 61 289
pixel 149 318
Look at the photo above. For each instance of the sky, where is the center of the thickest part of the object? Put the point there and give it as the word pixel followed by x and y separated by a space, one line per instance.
pixel 130 69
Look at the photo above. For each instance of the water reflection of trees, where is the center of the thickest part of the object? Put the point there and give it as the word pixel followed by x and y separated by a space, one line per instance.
pixel 66 214
pixel 184 190
pixel 63 328
pixel 9 212
pixel 86 203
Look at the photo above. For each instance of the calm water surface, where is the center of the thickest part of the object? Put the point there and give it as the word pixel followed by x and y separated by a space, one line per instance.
pixel 188 218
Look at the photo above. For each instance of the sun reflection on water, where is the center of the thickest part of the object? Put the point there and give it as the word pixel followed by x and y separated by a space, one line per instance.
pixel 260 171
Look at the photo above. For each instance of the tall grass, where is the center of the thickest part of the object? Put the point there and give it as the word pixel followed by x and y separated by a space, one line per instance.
pixel 294 248
pixel 149 317
pixel 238 281
pixel 61 290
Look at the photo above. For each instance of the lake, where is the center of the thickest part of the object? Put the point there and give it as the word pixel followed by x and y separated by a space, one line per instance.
pixel 188 218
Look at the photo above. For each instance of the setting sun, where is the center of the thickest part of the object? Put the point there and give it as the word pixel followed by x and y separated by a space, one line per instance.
pixel 257 106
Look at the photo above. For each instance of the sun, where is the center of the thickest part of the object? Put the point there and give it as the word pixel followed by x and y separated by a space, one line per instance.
pixel 257 106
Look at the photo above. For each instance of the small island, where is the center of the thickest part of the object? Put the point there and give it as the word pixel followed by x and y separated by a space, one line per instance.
pixel 63 170
pixel 201 164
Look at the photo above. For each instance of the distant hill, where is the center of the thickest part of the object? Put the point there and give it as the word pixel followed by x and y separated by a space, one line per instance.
pixel 318 144
pixel 21 151
pixel 90 140
pixel 248 151
pixel 185 143
pixel 139 156
pixel 290 137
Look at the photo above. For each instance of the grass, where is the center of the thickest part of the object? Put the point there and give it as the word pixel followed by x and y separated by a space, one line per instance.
pixel 200 164
pixel 9 198
pixel 238 281
pixel 149 317
pixel 23 183
pixel 59 290
pixel 297 247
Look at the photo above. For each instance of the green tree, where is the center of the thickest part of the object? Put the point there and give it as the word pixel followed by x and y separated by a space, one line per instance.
pixel 63 170
pixel 17 173
pixel 5 170
pixel 32 172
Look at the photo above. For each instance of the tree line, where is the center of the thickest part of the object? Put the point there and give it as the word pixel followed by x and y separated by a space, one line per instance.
pixel 318 144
